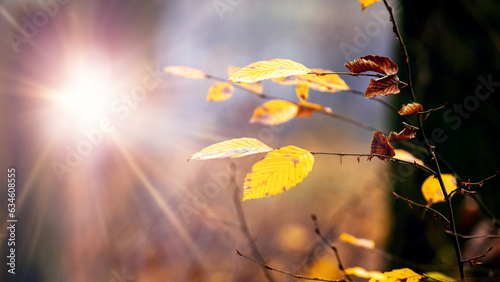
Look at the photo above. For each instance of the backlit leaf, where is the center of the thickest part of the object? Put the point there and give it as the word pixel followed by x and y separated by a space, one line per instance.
pixel 405 134
pixel 363 243
pixel 399 275
pixel 366 3
pixel 383 86
pixel 324 83
pixel 268 69
pixel 363 273
pixel 275 112
pixel 432 190
pixel 220 91
pixel 185 72
pixel 381 146
pixel 378 64
pixel 406 156
pixel 280 170
pixel 409 109
pixel 255 87
pixel 233 148
pixel 302 91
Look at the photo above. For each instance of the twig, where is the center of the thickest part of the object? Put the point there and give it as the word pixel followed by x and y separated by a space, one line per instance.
pixel 388 158
pixel 404 53
pixel 475 260
pixel 474 236
pixel 422 206
pixel 320 235
pixel 284 272
pixel 244 227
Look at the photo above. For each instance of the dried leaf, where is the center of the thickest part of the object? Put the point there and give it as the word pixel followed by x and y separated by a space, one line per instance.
pixel 432 190
pixel 409 109
pixel 405 134
pixel 398 275
pixel 302 91
pixel 366 3
pixel 275 112
pixel 406 156
pixel 373 63
pixel 324 83
pixel 386 85
pixel 255 87
pixel 234 148
pixel 381 146
pixel 280 170
pixel 363 273
pixel 185 72
pixel 268 69
pixel 363 243
pixel 220 91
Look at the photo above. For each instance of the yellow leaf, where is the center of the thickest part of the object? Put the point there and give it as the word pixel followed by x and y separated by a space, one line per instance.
pixel 185 72
pixel 324 83
pixel 268 69
pixel 406 156
pixel 275 112
pixel 438 276
pixel 366 3
pixel 233 148
pixel 363 273
pixel 255 87
pixel 280 170
pixel 220 91
pixel 302 91
pixel 399 275
pixel 432 190
pixel 363 243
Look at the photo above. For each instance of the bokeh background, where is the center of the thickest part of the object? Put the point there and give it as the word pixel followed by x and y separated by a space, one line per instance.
pixel 99 136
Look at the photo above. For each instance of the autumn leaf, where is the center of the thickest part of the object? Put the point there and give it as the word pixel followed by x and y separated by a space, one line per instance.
pixel 234 148
pixel 220 91
pixel 432 190
pixel 363 273
pixel 409 109
pixel 268 69
pixel 387 85
pixel 323 83
pixel 366 3
pixel 406 156
pixel 275 112
pixel 302 91
pixel 378 64
pixel 359 242
pixel 409 132
pixel 280 170
pixel 381 146
pixel 185 72
pixel 255 87
pixel 398 275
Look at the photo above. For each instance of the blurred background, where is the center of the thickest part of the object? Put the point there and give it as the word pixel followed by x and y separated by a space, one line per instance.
pixel 99 136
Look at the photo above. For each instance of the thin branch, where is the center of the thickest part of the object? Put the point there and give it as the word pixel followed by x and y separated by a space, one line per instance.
pixel 422 206
pixel 320 235
pixel 284 272
pixel 474 236
pixel 396 160
pixel 244 226
pixel 404 53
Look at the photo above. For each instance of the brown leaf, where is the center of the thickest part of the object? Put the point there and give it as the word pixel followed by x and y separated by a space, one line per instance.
pixel 411 108
pixel 373 63
pixel 386 85
pixel 406 134
pixel 381 146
